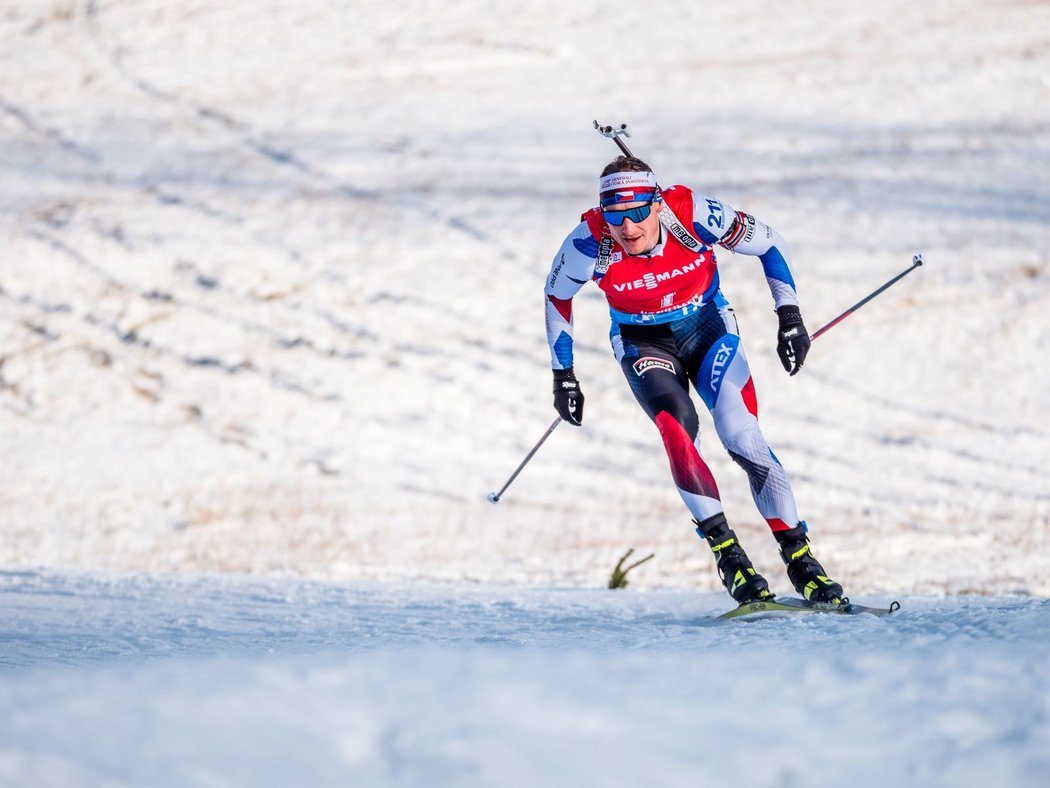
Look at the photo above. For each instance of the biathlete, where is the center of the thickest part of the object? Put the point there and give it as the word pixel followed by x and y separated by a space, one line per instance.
pixel 651 252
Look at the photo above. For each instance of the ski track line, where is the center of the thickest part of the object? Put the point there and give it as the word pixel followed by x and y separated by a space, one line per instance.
pixel 252 327
pixel 897 407
pixel 962 454
pixel 250 138
pixel 246 325
pixel 54 136
pixel 274 377
pixel 164 195
pixel 922 467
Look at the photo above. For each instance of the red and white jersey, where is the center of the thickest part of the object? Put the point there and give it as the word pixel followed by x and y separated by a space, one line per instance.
pixel 666 279
pixel 673 280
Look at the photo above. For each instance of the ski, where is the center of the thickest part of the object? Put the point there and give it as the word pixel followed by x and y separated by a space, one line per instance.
pixel 794 606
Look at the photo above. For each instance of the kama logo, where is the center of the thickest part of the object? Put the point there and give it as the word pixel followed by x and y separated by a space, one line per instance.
pixel 647 363
pixel 718 365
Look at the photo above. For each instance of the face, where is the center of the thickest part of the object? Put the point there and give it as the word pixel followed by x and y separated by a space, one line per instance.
pixel 640 237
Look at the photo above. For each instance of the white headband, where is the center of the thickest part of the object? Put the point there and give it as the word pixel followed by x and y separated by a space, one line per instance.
pixel 626 180
pixel 624 187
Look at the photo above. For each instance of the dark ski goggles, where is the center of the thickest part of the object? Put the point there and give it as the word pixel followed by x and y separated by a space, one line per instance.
pixel 639 214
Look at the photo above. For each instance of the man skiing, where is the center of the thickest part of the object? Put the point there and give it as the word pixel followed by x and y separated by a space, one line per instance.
pixel 650 251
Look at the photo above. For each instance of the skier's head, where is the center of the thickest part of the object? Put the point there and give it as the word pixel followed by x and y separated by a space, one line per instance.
pixel 627 190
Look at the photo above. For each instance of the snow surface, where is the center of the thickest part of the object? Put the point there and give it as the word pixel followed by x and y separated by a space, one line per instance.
pixel 150 680
pixel 271 274
pixel 270 304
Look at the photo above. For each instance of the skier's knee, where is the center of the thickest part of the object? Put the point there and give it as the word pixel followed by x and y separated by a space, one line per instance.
pixel 747 442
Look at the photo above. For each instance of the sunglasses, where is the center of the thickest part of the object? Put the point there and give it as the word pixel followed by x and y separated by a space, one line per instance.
pixel 639 214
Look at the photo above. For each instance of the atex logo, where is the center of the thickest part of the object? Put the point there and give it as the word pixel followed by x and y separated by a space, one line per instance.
pixel 647 363
pixel 725 352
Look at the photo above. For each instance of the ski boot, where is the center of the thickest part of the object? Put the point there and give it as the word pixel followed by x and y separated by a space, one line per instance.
pixel 741 580
pixel 803 570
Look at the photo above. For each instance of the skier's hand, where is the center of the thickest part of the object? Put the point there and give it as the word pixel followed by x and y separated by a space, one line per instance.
pixel 568 399
pixel 792 338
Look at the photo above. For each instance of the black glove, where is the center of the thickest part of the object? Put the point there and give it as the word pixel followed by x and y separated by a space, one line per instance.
pixel 568 399
pixel 792 338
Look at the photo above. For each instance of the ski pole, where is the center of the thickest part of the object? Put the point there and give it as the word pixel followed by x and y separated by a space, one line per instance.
pixel 494 497
pixel 614 134
pixel 915 263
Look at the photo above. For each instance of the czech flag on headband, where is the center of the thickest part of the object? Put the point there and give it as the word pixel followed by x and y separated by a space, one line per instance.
pixel 622 187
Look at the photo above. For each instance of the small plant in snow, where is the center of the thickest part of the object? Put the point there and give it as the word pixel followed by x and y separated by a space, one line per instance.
pixel 618 578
